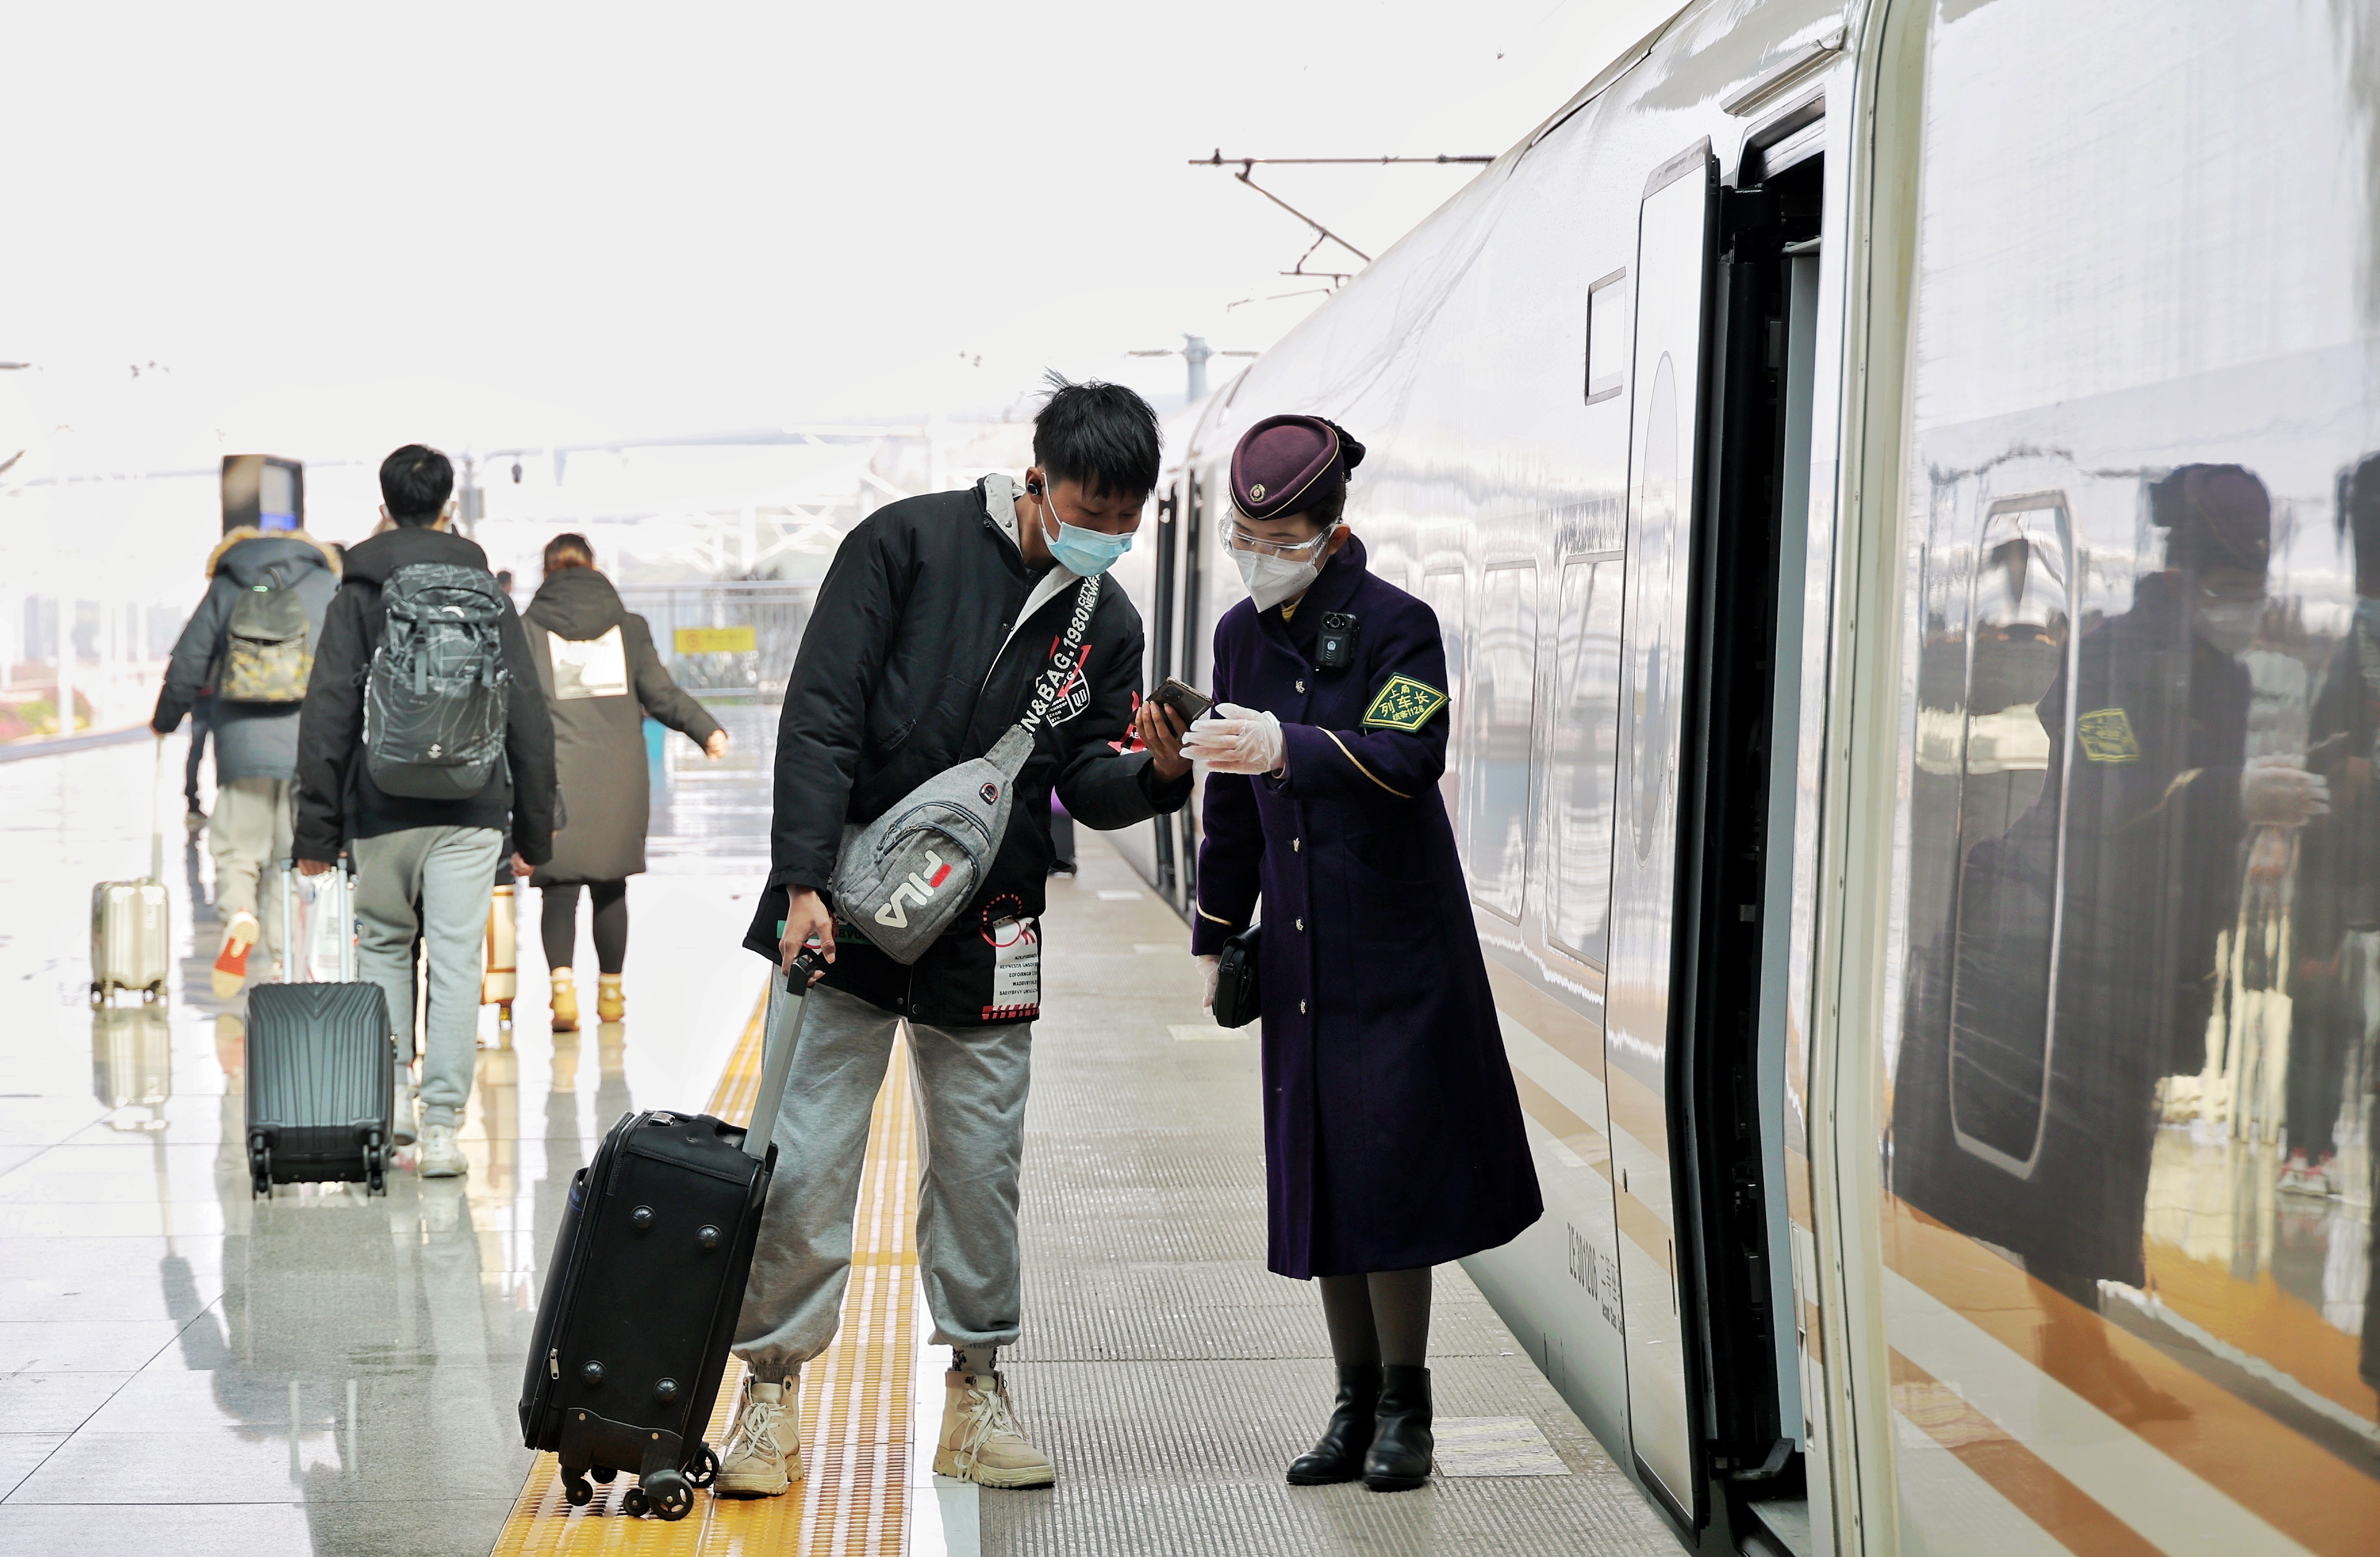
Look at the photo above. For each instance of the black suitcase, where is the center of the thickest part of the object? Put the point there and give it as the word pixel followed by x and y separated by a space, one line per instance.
pixel 644 1285
pixel 321 1068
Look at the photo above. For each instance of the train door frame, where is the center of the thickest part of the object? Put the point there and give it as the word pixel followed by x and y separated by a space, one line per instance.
pixel 1196 668
pixel 1672 342
pixel 1737 819
pixel 1734 1387
pixel 1164 566
pixel 1853 774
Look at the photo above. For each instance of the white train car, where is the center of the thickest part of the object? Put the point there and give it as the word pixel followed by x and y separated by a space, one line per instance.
pixel 1893 480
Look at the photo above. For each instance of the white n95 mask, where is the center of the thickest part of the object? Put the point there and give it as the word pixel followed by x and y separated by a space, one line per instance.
pixel 1271 580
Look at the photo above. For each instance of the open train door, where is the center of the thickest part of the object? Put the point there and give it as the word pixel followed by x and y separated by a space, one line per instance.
pixel 1674 251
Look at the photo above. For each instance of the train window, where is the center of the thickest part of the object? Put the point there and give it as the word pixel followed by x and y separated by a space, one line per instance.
pixel 1443 594
pixel 1501 712
pixel 2010 841
pixel 1606 337
pixel 1581 766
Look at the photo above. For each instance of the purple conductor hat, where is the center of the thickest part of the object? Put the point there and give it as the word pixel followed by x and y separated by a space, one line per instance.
pixel 1288 464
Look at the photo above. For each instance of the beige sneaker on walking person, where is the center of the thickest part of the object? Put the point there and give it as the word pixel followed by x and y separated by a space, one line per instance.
pixel 981 1442
pixel 442 1154
pixel 764 1454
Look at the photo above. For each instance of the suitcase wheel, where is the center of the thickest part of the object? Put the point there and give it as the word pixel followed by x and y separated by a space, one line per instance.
pixel 260 1169
pixel 664 1493
pixel 705 1468
pixel 575 1490
pixel 98 994
pixel 154 993
pixel 603 1474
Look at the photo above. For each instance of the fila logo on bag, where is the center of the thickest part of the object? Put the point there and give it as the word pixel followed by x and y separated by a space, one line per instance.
pixel 919 888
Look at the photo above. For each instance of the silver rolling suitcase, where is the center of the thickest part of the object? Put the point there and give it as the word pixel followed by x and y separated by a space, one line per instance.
pixel 131 927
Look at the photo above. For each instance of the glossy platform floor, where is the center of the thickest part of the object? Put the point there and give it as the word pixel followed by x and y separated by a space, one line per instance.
pixel 331 1373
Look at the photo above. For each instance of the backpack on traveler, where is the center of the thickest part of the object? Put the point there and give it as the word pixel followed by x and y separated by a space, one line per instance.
pixel 434 697
pixel 267 654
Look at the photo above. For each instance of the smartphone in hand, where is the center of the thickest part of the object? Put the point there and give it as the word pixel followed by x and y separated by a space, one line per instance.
pixel 1182 699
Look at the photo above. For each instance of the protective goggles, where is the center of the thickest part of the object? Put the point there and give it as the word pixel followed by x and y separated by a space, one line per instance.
pixel 1295 551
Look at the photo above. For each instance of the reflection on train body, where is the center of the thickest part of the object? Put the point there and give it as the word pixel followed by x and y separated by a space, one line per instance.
pixel 2141 889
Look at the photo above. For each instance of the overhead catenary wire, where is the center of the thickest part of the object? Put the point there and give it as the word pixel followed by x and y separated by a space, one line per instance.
pixel 1247 165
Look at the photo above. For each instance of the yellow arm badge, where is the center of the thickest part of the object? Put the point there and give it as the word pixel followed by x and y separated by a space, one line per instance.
pixel 1403 704
pixel 2106 737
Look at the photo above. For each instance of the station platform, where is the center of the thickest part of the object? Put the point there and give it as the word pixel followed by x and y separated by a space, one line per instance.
pixel 328 1372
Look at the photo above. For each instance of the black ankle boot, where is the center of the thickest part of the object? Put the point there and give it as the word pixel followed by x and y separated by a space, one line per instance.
pixel 1338 1455
pixel 1401 1450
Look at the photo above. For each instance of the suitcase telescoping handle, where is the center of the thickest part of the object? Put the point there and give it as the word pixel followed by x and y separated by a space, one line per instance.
pixel 337 888
pixel 778 1036
pixel 156 814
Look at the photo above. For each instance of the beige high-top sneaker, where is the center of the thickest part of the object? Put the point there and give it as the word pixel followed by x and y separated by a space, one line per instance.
pixel 764 1457
pixel 982 1440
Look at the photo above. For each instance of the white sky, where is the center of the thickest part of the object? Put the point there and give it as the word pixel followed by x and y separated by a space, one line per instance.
pixel 340 229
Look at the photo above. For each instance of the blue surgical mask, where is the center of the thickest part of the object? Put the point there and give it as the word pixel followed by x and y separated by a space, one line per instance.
pixel 1086 552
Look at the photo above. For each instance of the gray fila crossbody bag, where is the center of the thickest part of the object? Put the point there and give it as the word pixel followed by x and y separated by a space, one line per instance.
pixel 902 879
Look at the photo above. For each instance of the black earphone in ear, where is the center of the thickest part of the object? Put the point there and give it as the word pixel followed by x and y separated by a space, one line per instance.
pixel 1033 488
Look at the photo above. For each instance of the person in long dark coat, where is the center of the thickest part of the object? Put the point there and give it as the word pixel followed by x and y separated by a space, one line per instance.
pixel 1393 1139
pixel 595 659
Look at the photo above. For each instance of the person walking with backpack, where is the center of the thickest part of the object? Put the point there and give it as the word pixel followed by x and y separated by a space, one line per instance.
pixel 252 640
pixel 973 628
pixel 424 734
pixel 601 676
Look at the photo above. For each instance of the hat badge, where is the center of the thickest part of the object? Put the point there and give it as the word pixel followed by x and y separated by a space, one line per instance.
pixel 1256 492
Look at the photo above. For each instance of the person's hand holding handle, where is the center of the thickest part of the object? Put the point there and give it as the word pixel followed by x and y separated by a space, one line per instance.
pixel 806 968
pixel 808 918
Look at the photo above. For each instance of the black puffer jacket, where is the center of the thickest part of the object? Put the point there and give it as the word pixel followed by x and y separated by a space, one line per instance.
pixel 915 660
pixel 336 799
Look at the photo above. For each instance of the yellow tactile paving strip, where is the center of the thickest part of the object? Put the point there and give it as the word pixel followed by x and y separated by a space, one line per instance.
pixel 856 1405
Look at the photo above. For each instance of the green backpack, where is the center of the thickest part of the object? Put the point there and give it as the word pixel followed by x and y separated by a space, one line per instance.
pixel 266 653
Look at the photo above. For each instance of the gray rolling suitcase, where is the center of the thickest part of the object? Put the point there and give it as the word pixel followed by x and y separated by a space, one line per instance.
pixel 322 1070
pixel 131 925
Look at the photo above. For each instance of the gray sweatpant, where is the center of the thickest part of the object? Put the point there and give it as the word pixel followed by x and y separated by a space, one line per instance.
pixel 434 884
pixel 969 1085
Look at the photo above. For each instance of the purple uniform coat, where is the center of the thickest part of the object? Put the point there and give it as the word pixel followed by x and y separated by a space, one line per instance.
pixel 1392 1133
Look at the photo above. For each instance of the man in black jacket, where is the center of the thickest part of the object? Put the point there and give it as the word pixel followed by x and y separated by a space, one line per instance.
pixel 936 617
pixel 424 869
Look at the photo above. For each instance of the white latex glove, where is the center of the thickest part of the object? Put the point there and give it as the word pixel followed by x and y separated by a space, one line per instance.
pixel 1211 966
pixel 2276 791
pixel 1232 740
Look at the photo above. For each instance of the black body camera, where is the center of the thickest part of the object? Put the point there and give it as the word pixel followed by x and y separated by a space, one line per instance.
pixel 1335 648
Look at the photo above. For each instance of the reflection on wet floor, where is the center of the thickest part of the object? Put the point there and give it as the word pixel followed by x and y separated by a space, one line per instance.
pixel 323 1370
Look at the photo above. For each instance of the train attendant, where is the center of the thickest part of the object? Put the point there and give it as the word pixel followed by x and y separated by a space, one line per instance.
pixel 1392 1133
